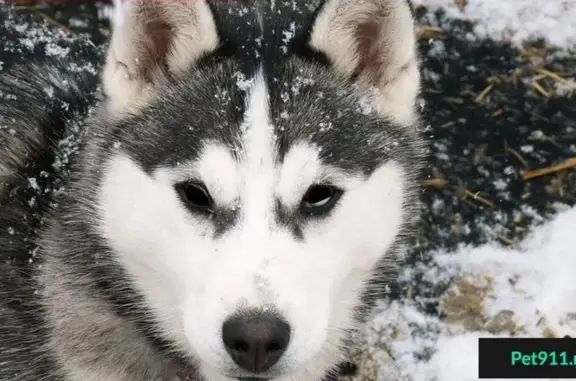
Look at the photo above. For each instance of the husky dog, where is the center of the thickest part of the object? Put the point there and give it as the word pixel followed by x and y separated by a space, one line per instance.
pixel 234 203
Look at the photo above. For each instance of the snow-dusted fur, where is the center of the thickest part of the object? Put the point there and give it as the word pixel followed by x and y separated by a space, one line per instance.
pixel 245 164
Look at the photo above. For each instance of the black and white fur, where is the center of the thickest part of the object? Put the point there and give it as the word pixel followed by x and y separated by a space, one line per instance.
pixel 249 159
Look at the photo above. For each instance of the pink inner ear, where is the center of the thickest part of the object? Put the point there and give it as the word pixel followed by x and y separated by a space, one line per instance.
pixel 156 43
pixel 370 51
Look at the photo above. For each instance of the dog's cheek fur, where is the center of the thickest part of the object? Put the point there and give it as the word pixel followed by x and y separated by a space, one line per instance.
pixel 361 234
pixel 154 238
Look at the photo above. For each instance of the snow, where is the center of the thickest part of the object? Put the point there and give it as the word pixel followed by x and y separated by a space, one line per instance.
pixel 288 35
pixel 117 13
pixel 516 20
pixel 528 291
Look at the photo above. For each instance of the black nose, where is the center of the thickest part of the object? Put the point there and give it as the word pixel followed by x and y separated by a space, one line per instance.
pixel 255 341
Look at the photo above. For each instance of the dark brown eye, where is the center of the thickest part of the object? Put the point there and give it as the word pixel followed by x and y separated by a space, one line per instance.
pixel 195 196
pixel 320 199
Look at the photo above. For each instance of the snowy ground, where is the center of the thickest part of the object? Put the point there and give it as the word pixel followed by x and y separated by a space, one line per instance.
pixel 525 292
pixel 526 289
pixel 516 20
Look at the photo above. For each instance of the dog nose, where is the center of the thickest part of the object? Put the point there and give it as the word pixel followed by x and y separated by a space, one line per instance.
pixel 255 341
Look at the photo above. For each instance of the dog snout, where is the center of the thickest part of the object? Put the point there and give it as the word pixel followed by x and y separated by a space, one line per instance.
pixel 255 342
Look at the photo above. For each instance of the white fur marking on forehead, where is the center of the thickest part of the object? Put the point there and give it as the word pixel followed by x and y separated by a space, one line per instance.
pixel 216 168
pixel 219 172
pixel 258 131
pixel 300 169
pixel 258 153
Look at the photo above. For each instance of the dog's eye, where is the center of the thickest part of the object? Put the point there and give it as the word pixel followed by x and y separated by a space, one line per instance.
pixel 196 196
pixel 320 199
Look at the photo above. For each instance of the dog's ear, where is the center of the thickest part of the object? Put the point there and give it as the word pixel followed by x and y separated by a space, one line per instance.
pixel 373 43
pixel 153 41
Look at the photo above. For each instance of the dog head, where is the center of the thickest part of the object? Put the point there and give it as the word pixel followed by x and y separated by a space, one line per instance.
pixel 257 167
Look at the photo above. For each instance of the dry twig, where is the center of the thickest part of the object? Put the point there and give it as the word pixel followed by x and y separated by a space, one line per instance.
pixel 566 164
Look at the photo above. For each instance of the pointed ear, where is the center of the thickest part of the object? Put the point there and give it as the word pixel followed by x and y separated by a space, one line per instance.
pixel 153 41
pixel 373 42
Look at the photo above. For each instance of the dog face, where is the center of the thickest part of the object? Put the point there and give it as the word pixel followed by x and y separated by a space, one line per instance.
pixel 252 198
